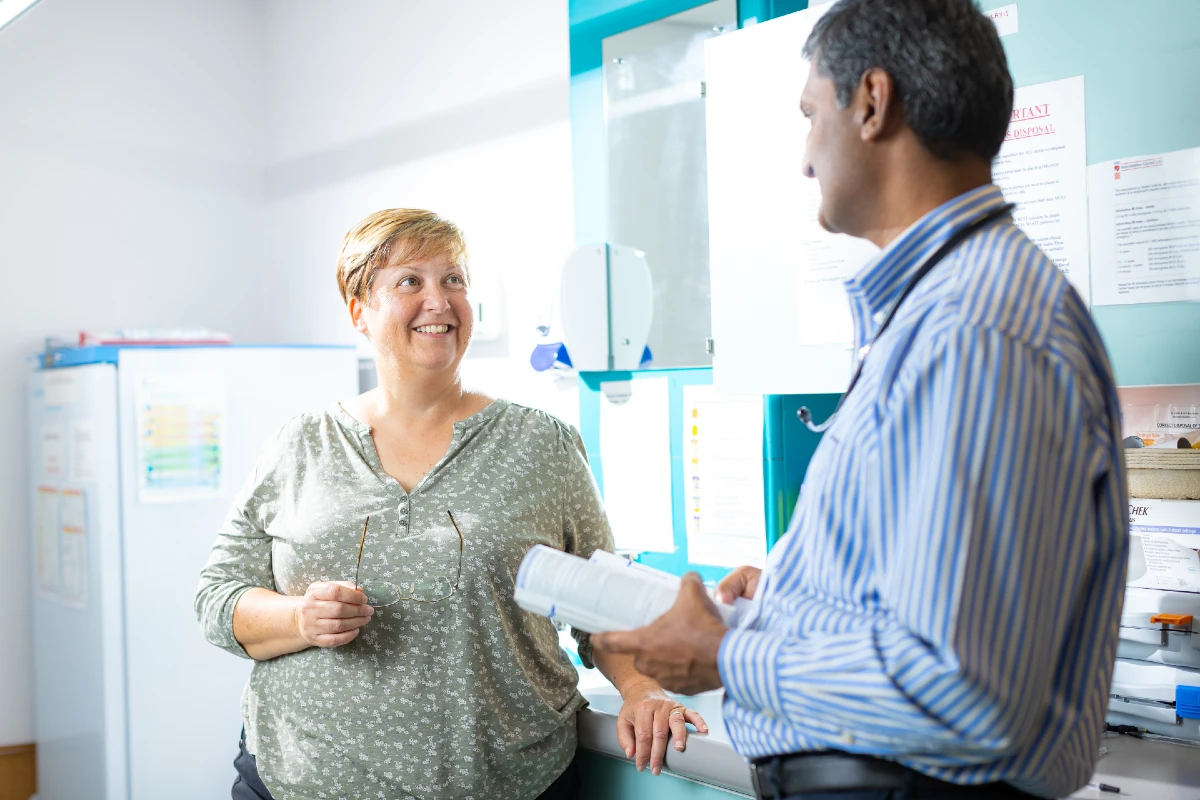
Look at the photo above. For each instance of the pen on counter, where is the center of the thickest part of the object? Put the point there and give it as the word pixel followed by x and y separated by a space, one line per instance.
pixel 1104 787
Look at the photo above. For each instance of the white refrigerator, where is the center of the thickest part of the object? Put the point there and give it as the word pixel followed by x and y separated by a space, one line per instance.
pixel 136 454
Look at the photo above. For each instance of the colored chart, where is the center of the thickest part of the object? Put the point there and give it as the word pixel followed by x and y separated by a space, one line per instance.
pixel 181 430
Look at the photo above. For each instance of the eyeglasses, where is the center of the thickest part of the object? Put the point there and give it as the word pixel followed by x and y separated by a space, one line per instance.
pixel 381 594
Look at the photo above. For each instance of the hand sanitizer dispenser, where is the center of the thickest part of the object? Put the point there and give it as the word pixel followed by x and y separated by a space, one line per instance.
pixel 606 301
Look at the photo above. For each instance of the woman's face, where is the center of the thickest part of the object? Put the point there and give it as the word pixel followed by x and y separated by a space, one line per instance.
pixel 418 315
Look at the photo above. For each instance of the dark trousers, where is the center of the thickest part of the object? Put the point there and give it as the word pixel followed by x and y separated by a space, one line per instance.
pixel 956 793
pixel 904 783
pixel 249 786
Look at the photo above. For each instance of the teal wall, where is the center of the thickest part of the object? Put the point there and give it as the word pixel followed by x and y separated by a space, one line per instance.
pixel 605 778
pixel 1139 61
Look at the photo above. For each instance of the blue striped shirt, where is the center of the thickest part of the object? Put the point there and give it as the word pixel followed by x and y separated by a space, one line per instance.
pixel 949 590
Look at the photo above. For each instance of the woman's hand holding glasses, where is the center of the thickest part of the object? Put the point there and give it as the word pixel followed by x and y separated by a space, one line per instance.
pixel 330 613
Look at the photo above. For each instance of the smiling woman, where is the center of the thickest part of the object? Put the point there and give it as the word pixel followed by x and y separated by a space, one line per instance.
pixel 440 693
pixel 403 274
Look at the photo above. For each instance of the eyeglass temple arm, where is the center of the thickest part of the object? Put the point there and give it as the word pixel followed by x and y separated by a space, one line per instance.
pixel 460 546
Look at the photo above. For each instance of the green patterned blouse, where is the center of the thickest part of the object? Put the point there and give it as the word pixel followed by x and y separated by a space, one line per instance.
pixel 469 697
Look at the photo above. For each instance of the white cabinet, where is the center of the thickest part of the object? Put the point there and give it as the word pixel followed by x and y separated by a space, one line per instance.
pixel 780 317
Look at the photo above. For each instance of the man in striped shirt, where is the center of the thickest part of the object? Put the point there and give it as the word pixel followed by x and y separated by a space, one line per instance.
pixel 941 618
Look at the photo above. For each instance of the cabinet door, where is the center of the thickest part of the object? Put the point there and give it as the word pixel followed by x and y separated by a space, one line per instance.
pixel 780 317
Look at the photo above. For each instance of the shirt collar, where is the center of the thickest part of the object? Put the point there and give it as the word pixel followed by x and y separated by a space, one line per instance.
pixel 880 282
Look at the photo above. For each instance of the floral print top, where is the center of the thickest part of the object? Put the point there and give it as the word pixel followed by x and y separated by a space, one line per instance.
pixel 468 697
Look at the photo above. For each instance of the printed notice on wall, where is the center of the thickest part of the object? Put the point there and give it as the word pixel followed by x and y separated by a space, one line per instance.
pixel 635 459
pixel 1145 224
pixel 1042 167
pixel 73 582
pixel 723 478
pixel 1156 562
pixel 180 437
pixel 46 540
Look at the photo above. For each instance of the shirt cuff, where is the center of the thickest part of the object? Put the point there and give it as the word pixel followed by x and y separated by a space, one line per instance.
pixel 748 661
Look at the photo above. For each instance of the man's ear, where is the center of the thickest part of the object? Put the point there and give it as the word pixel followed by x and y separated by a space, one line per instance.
pixel 355 307
pixel 874 104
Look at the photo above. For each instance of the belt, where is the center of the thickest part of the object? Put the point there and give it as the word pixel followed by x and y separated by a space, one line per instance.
pixel 779 777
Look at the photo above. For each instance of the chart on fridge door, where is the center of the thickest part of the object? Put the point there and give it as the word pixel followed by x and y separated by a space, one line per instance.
pixel 180 437
pixel 723 478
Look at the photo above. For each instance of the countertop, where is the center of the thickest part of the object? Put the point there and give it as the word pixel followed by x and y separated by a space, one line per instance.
pixel 1141 769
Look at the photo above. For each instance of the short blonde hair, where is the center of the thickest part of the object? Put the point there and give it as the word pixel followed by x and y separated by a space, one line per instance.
pixel 407 233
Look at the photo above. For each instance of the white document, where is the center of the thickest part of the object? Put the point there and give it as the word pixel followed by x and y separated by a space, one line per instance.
pixel 635 455
pixel 46 522
pixel 824 261
pixel 180 437
pixel 54 451
pixel 1042 167
pixel 72 526
pixel 723 478
pixel 83 460
pixel 1145 228
pixel 60 388
pixel 1156 562
pixel 599 595
pixel 1005 19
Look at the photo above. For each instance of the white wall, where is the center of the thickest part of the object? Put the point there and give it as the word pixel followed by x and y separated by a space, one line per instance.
pixel 196 162
pixel 460 108
pixel 131 142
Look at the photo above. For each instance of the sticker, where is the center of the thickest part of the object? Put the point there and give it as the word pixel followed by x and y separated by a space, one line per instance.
pixel 1005 19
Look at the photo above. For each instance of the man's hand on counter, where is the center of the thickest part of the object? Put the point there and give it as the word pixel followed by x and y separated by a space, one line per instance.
pixel 679 649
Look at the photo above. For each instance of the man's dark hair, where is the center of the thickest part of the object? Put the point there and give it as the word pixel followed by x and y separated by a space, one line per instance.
pixel 944 56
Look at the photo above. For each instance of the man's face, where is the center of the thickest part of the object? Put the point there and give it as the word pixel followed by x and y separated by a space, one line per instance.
pixel 834 153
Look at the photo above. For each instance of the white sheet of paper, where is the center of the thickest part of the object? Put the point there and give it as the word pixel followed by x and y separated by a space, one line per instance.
pixel 1168 565
pixel 54 450
pixel 46 522
pixel 635 455
pixel 824 262
pixel 1042 167
pixel 84 467
pixel 1145 228
pixel 723 478
pixel 61 388
pixel 74 562
pixel 1005 19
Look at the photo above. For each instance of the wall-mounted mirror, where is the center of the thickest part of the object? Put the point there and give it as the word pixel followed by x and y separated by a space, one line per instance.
pixel 657 176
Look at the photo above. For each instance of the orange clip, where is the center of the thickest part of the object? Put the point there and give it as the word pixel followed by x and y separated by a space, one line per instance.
pixel 1178 620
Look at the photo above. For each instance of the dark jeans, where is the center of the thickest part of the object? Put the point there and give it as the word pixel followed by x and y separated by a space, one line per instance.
pixel 249 786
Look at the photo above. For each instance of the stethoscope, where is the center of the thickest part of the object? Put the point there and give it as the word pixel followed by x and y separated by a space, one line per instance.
pixel 925 268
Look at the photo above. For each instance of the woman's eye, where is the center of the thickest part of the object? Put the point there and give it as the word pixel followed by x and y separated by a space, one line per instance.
pixel 457 279
pixel 409 281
